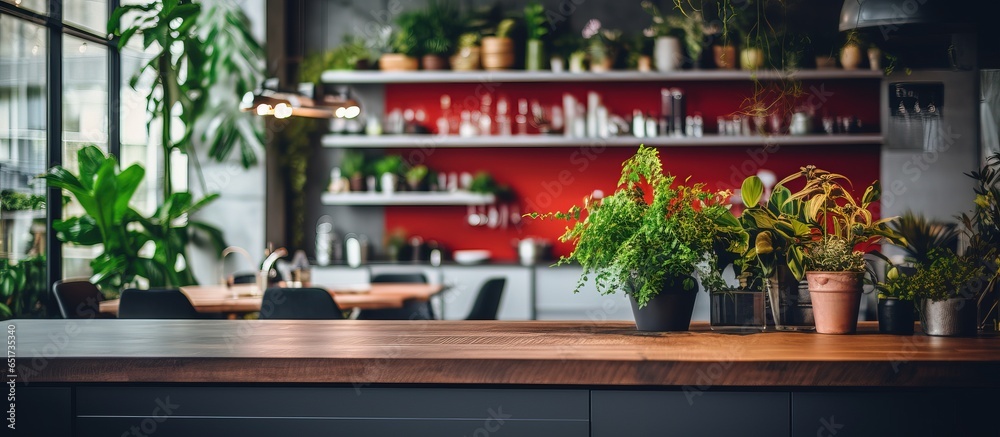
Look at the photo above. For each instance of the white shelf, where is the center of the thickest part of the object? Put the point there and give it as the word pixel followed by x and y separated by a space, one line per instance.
pixel 527 141
pixel 383 77
pixel 408 198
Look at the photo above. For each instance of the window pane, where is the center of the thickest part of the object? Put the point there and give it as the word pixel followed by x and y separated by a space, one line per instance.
pixel 88 14
pixel 40 6
pixel 22 154
pixel 137 146
pixel 85 122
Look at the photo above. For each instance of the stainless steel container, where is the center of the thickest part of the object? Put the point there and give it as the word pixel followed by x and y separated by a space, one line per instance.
pixel 955 317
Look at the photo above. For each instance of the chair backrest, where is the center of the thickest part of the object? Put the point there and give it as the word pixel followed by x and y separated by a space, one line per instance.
pixel 488 301
pixel 77 298
pixel 245 278
pixel 155 304
pixel 411 278
pixel 299 304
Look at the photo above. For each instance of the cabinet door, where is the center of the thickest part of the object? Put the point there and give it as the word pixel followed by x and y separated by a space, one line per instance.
pixel 39 411
pixel 906 413
pixel 688 413
pixel 366 411
pixel 465 282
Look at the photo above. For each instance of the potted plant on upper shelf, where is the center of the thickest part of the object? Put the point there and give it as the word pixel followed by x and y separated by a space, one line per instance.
pixel 404 44
pixel 775 227
pixel 415 177
pixel 352 166
pixel 536 25
pixel 648 238
pixel 602 45
pixel 840 223
pixel 388 170
pixel 667 52
pixel 436 30
pixel 498 48
pixel 467 57
pixel 850 53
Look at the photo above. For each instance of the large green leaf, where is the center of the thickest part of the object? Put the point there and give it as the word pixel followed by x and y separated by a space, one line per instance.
pixel 752 190
pixel 128 181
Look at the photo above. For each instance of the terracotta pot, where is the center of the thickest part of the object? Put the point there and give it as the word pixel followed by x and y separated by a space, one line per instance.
pixel 836 297
pixel 603 66
pixel 850 57
pixel 725 57
pixel 497 53
pixel 434 62
pixel 397 62
pixel 751 58
pixel 670 310
pixel 825 63
pixel 357 183
pixel 467 59
pixel 645 64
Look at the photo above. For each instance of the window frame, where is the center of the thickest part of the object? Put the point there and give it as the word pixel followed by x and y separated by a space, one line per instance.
pixel 56 28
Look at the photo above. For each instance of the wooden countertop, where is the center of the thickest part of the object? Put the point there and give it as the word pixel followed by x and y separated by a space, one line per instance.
pixel 468 352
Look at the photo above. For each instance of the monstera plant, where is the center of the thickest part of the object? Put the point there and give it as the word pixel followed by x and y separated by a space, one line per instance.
pixel 105 191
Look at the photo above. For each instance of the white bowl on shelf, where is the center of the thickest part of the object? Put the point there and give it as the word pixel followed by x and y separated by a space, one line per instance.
pixel 472 256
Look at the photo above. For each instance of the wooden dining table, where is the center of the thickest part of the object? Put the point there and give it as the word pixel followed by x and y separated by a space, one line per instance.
pixel 241 299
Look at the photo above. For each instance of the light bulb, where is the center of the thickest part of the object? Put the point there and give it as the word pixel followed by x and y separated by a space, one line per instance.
pixel 263 109
pixel 83 48
pixel 352 112
pixel 339 113
pixel 282 110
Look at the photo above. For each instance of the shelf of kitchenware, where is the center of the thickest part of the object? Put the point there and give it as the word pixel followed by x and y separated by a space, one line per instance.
pixel 408 198
pixel 454 141
pixel 384 77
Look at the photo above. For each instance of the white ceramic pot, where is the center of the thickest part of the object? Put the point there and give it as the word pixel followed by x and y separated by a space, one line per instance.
pixel 667 53
pixel 388 183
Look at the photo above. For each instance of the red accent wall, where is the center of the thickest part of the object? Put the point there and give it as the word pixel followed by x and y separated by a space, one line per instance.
pixel 550 179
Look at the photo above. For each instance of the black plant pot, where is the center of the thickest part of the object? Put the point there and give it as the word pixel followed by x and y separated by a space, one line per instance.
pixel 895 316
pixel 670 310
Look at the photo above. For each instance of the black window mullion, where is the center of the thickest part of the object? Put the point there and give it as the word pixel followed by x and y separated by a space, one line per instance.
pixel 53 204
pixel 114 93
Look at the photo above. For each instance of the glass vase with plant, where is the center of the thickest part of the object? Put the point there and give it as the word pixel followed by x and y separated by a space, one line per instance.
pixel 537 27
pixel 649 239
pixel 840 225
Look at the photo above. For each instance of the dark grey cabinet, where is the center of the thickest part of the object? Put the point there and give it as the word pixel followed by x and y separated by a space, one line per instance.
pixel 39 411
pixel 688 413
pixel 260 411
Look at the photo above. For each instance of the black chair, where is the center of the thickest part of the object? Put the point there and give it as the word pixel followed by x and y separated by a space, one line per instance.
pixel 78 299
pixel 299 304
pixel 411 310
pixel 245 278
pixel 488 301
pixel 155 304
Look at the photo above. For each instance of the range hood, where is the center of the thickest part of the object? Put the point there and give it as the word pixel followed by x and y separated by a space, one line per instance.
pixel 891 16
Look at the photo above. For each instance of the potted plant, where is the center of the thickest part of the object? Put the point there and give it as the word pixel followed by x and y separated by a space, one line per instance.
pixel 415 177
pixel 920 236
pixel 981 229
pixel 835 269
pixel 536 25
pixel 774 227
pixel 601 46
pixel 405 45
pixel 749 26
pixel 648 239
pixel 691 26
pixel 948 288
pixel 388 170
pixel 667 54
pixel 639 48
pixel 467 57
pixel 498 48
pixel 437 29
pixel 850 53
pixel 353 168
pixel 23 289
pixel 895 302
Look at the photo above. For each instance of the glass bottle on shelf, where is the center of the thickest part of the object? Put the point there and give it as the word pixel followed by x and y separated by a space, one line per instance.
pixel 485 120
pixel 522 116
pixel 502 119
pixel 444 122
pixel 467 128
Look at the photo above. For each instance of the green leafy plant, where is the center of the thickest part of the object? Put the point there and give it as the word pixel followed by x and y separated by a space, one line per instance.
pixel 433 31
pixel 416 174
pixel 504 28
pixel 11 200
pixel 661 25
pixel 775 228
pixel 832 254
pixel 392 164
pixel 202 55
pixel 23 288
pixel 897 285
pixel 105 193
pixel 948 275
pixel 468 39
pixel 982 232
pixel 646 247
pixel 837 217
pixel 919 236
pixel 353 164
pixel 534 21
